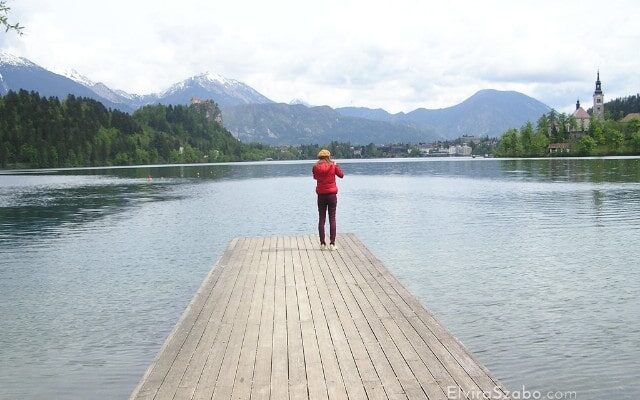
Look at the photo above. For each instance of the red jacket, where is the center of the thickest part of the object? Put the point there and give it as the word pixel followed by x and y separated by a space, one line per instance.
pixel 325 174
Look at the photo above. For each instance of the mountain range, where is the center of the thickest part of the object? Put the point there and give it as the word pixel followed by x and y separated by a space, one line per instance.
pixel 279 123
pixel 488 112
pixel 253 117
pixel 20 73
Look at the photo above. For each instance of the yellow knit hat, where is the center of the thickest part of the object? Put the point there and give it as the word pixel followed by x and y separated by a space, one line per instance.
pixel 324 153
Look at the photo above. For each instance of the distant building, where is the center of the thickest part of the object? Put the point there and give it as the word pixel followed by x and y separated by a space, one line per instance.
pixel 357 151
pixel 582 118
pixel 209 107
pixel 555 148
pixel 598 100
pixel 471 139
pixel 631 117
pixel 424 150
pixel 460 150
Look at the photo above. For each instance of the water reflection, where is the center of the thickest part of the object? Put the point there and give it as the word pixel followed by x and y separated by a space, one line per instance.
pixel 40 210
pixel 622 169
pixel 200 171
pixel 532 263
pixel 575 169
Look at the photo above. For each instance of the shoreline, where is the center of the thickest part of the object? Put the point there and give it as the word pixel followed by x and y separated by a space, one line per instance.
pixel 310 161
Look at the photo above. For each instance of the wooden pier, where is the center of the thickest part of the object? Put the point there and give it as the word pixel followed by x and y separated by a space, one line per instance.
pixel 277 318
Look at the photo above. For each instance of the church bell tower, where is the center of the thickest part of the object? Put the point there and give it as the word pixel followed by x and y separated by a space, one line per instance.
pixel 598 100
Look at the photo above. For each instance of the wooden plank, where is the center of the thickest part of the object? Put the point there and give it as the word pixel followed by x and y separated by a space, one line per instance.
pixel 425 366
pixel 348 312
pixel 277 318
pixel 297 372
pixel 466 371
pixel 244 376
pixel 329 295
pixel 209 374
pixel 160 367
pixel 317 388
pixel 394 357
pixel 215 309
pixel 421 365
pixel 262 377
pixel 331 369
pixel 279 363
pixel 359 309
pixel 229 367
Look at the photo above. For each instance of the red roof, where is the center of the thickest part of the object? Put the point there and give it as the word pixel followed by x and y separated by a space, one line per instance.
pixel 580 113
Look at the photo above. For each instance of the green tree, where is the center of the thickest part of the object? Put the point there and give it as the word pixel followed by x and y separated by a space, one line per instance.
pixel 539 143
pixel 4 19
pixel 635 142
pixel 29 154
pixel 585 146
pixel 596 130
pixel 561 128
pixel 122 159
pixel 613 138
pixel 141 156
pixel 509 144
pixel 526 138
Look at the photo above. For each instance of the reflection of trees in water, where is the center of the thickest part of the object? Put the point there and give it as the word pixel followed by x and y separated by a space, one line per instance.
pixel 44 212
pixel 575 170
pixel 598 198
pixel 616 206
pixel 196 171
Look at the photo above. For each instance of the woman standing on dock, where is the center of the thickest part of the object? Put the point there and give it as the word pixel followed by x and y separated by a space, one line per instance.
pixel 325 172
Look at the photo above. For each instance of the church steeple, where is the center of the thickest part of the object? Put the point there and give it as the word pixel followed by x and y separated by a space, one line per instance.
pixel 598 85
pixel 577 104
pixel 598 99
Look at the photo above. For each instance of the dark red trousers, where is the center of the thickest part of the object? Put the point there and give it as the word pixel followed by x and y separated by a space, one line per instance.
pixel 327 201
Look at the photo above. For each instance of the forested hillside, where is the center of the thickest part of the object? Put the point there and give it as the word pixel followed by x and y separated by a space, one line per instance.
pixel 40 132
pixel 618 108
pixel 602 138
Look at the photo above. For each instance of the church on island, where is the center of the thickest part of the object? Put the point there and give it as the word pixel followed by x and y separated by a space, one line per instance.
pixel 583 119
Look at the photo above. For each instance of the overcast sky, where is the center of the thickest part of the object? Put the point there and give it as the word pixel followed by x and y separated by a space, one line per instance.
pixel 398 55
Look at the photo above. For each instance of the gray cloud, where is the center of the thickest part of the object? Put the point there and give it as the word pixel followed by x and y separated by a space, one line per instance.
pixel 397 56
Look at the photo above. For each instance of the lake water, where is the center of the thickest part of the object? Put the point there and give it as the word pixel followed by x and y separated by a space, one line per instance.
pixel 533 264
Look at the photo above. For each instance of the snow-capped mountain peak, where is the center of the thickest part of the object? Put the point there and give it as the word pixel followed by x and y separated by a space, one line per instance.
pixel 10 59
pixel 127 95
pixel 19 73
pixel 210 85
pixel 78 77
pixel 116 96
pixel 214 77
pixel 298 101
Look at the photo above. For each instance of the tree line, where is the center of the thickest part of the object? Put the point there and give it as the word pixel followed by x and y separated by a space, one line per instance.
pixel 46 132
pixel 603 137
pixel 617 108
pixel 41 132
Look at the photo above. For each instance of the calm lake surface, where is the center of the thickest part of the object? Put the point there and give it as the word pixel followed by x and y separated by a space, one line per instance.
pixel 532 264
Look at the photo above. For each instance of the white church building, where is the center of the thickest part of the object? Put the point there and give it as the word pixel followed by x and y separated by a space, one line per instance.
pixel 582 117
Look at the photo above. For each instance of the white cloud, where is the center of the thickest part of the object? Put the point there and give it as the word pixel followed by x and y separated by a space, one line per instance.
pixel 397 55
